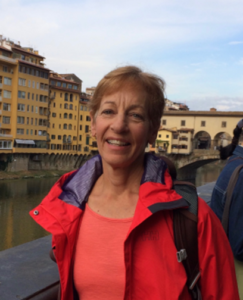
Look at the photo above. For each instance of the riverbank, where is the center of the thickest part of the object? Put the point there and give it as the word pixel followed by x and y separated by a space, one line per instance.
pixel 31 174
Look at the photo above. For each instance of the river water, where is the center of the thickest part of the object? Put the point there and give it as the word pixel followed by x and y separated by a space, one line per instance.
pixel 18 197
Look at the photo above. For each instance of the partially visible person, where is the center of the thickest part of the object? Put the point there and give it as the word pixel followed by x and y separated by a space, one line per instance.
pixel 235 226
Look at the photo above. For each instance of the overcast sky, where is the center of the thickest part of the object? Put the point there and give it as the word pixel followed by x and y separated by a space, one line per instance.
pixel 195 46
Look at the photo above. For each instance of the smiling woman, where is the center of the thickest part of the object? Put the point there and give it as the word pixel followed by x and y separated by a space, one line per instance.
pixel 112 219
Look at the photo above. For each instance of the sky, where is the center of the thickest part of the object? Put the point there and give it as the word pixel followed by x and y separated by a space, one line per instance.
pixel 195 46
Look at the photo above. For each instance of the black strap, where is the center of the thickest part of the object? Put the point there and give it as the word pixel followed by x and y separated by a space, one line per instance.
pixel 229 193
pixel 185 234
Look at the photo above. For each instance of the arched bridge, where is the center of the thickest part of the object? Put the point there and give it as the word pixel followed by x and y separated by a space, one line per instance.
pixel 187 164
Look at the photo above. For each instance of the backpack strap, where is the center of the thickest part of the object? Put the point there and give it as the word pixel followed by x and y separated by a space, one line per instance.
pixel 185 234
pixel 229 194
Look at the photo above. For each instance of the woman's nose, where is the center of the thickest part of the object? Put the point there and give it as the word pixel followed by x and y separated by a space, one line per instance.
pixel 119 123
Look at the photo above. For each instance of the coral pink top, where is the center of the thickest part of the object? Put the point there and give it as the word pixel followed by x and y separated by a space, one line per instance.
pixel 99 268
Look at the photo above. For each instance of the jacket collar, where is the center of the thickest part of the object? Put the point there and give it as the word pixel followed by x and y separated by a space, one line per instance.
pixel 155 192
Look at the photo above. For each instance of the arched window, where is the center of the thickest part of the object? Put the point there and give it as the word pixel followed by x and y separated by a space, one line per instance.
pixel 66 97
pixel 65 116
pixel 70 106
pixel 70 116
pixel 70 126
pixel 66 105
pixel 64 126
pixel 71 97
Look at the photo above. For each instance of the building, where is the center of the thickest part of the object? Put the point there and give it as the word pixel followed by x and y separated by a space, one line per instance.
pixel 63 118
pixel 90 91
pixel 24 91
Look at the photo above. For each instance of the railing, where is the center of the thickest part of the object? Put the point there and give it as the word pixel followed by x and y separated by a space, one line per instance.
pixel 8 59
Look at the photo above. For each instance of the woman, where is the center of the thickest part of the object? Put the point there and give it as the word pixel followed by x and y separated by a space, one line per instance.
pixel 112 220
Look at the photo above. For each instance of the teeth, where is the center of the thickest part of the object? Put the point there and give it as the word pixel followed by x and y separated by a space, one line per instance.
pixel 115 142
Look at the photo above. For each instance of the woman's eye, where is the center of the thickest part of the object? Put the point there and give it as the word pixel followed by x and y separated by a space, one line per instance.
pixel 137 116
pixel 107 112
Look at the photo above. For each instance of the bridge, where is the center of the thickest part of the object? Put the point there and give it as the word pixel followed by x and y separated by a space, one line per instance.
pixel 187 164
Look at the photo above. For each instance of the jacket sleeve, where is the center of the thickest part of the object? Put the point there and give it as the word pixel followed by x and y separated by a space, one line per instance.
pixel 235 232
pixel 218 279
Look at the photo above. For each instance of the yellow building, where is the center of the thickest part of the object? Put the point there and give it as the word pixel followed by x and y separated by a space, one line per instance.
pixel 24 86
pixel 64 115
pixel 164 141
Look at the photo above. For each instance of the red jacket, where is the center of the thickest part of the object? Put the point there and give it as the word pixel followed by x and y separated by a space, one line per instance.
pixel 152 269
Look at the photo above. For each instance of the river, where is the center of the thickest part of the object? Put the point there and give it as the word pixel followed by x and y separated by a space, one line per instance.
pixel 18 197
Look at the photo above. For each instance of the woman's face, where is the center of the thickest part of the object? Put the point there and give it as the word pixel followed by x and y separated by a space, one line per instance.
pixel 121 126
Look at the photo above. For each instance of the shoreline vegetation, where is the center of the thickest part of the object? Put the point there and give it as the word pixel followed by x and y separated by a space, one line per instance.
pixel 31 174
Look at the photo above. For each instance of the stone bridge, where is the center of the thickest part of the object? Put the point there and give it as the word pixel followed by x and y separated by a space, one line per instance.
pixel 187 164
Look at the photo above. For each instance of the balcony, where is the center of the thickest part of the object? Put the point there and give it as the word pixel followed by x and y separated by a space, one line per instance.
pixel 9 60
pixel 52 96
pixel 6 135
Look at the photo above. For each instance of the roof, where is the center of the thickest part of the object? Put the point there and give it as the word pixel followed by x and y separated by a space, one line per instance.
pixel 3 48
pixel 34 65
pixel 202 113
pixel 27 52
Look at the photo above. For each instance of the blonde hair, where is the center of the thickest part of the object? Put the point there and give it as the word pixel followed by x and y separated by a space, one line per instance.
pixel 131 76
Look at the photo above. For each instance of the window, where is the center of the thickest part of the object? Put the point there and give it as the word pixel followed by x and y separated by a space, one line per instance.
pixel 87 118
pixel 37 85
pixel 28 95
pixel 36 97
pixel 87 140
pixel 58 83
pixel 60 126
pixel 60 105
pixel 59 137
pixel 54 104
pixel 167 136
pixel 86 128
pixel 21 94
pixel 22 81
pixel 80 127
pixel 53 82
pixel 53 137
pixel 71 97
pixel 28 108
pixel 53 125
pixel 70 116
pixel 81 118
pixel 159 135
pixel 29 83
pixel 20 120
pixel 54 115
pixel 70 126
pixel 33 96
pixel 32 108
pixel 27 131
pixel 224 124
pixel 7 81
pixel 70 86
pixel 75 87
pixel 32 120
pixel 64 85
pixel 36 109
pixel 21 107
pixel 20 131
pixel 183 123
pixel 5 69
pixel 5 145
pixel 60 116
pixel 66 105
pixel 80 137
pixel 6 120
pixel 163 122
pixel 7 94
pixel 203 123
pixel 81 107
pixel 66 97
pixel 70 106
pixel 33 84
pixel 35 121
pixel 65 116
pixel 27 120
pixel 6 106
pixel 64 126
pixel 31 132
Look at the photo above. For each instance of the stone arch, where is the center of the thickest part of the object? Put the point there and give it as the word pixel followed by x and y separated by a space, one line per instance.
pixel 221 139
pixel 202 140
